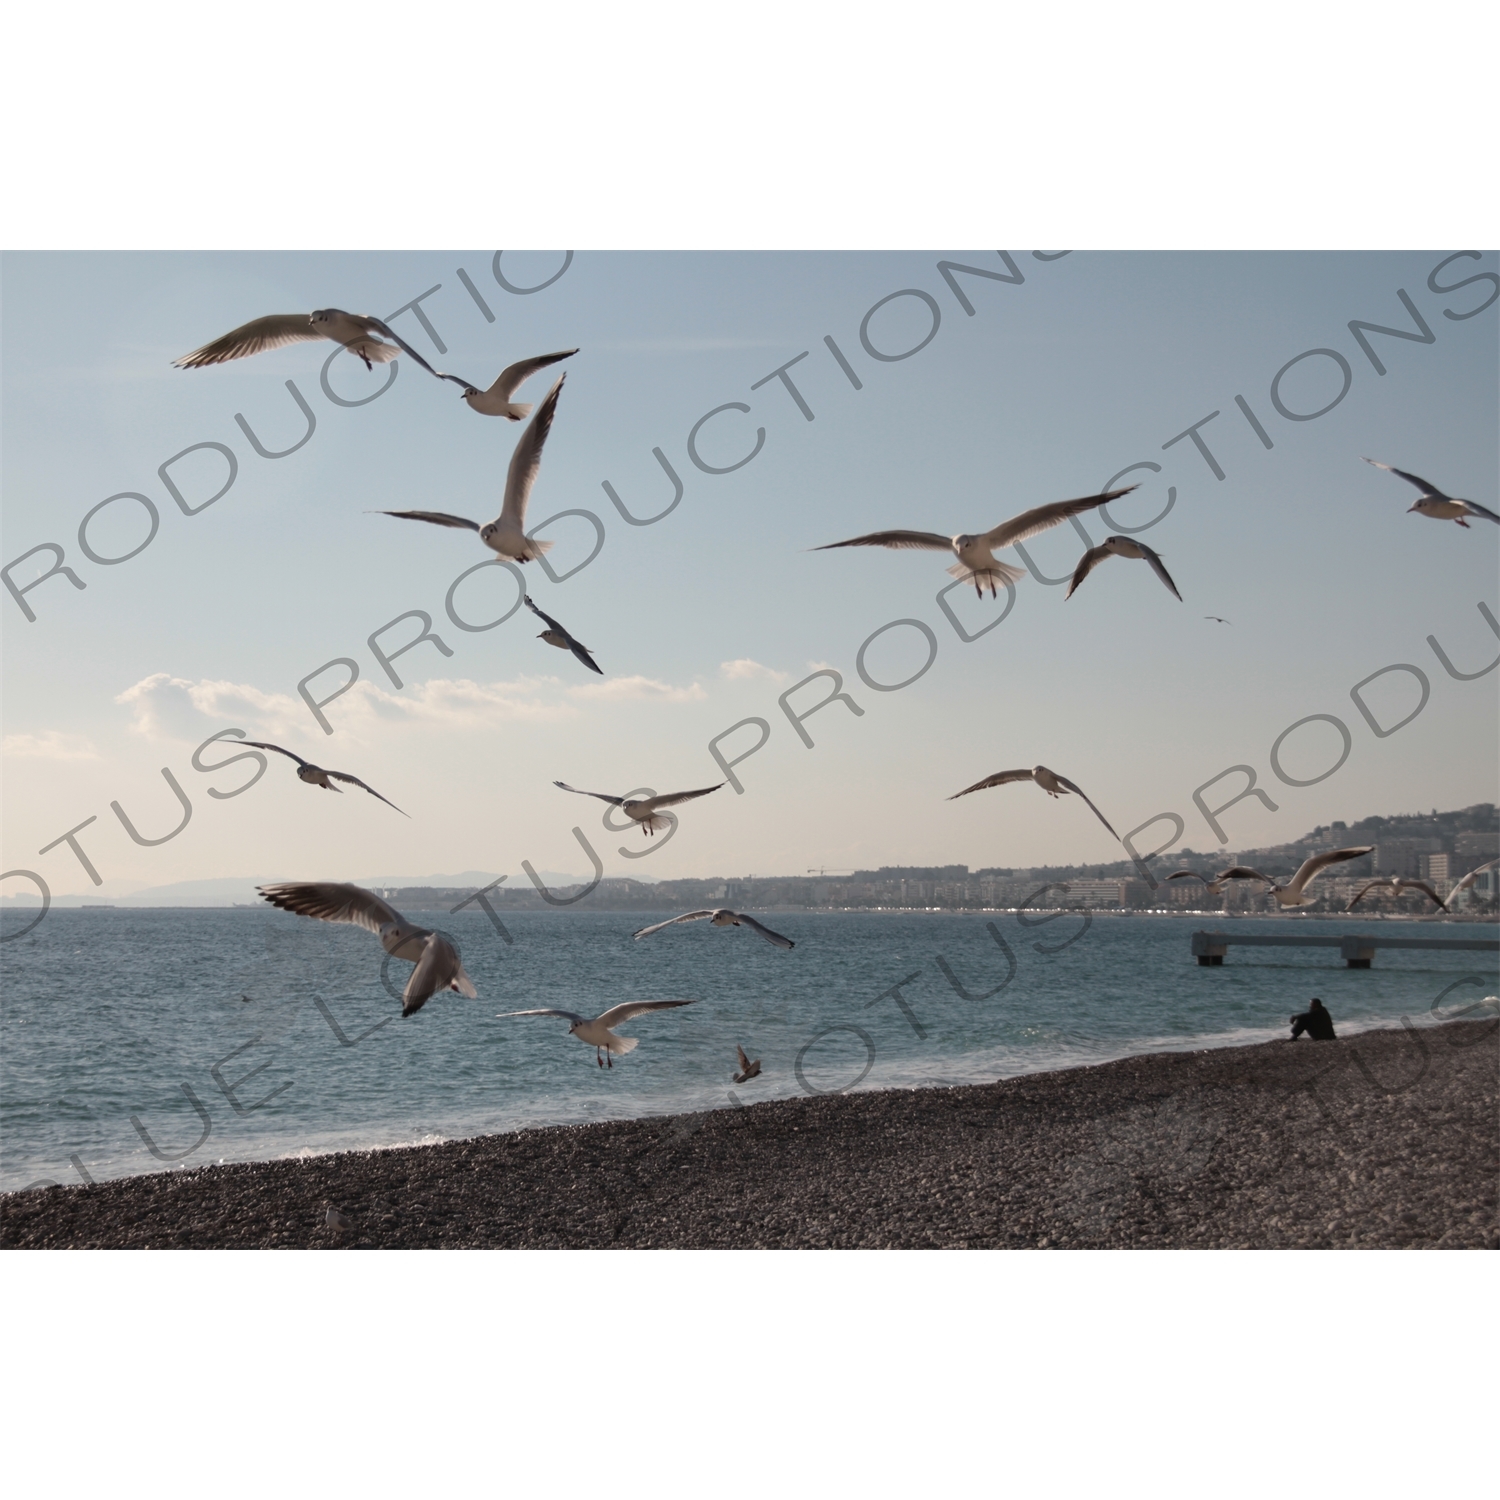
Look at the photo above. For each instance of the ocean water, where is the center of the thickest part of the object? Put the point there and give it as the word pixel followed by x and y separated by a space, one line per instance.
pixel 144 1040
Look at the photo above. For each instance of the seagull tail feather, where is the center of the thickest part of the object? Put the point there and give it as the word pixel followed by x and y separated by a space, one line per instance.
pixel 533 550
pixel 1001 572
pixel 620 1045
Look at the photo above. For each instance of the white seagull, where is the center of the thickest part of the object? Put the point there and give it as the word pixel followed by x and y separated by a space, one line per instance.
pixel 318 776
pixel 1291 893
pixel 748 1069
pixel 557 635
pixel 496 401
pixel 643 809
pixel 598 1032
pixel 1469 880
pixel 976 561
pixel 1396 884
pixel 438 965
pixel 506 534
pixel 1119 546
pixel 1434 503
pixel 355 331
pixel 1049 781
pixel 722 917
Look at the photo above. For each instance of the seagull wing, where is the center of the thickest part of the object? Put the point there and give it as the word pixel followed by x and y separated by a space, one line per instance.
pixel 687 916
pixel 1243 872
pixel 567 1015
pixel 671 799
pixel 1471 877
pixel 581 652
pixel 928 541
pixel 744 1061
pixel 602 796
pixel 1086 565
pixel 437 517
pixel 1078 791
pixel 261 745
pixel 1187 875
pixel 998 779
pixel 765 932
pixel 252 338
pixel 527 459
pixel 1421 885
pixel 1158 567
pixel 376 326
pixel 1364 889
pixel 576 647
pixel 513 377
pixel 618 1015
pixel 1476 509
pixel 542 614
pixel 437 969
pixel 355 781
pixel 332 901
pixel 1318 862
pixel 1421 484
pixel 1030 522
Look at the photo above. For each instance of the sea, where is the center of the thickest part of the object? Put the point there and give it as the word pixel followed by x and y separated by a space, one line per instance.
pixel 148 1040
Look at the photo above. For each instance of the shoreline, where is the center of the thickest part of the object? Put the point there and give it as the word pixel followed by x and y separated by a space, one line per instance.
pixel 1383 1139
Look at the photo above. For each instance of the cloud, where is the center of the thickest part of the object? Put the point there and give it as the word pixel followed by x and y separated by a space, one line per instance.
pixel 171 708
pixel 745 668
pixel 50 745
pixel 648 689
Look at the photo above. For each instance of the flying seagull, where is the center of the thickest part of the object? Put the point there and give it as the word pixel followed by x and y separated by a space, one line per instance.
pixel 1468 880
pixel 438 965
pixel 748 1069
pixel 557 635
pixel 496 401
pixel 598 1033
pixel 506 534
pixel 643 810
pixel 1214 885
pixel 1049 781
pixel 1119 546
pixel 1219 618
pixel 355 331
pixel 1433 502
pixel 1291 893
pixel 976 561
pixel 317 776
pixel 1396 884
pixel 722 917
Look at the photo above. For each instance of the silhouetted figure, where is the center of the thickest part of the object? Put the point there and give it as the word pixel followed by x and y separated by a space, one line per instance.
pixel 1315 1021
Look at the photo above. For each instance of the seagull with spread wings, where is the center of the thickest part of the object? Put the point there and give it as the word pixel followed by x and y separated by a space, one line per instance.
pixel 438 966
pixel 355 331
pixel 598 1032
pixel 976 560
pixel 1293 891
pixel 1396 884
pixel 319 776
pixel 643 810
pixel 1467 881
pixel 557 635
pixel 506 534
pixel 748 1069
pixel 496 401
pixel 1213 884
pixel 1119 546
pixel 722 917
pixel 1434 503
pixel 1049 781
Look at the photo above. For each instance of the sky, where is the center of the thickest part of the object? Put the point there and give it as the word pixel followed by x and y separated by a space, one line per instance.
pixel 1074 370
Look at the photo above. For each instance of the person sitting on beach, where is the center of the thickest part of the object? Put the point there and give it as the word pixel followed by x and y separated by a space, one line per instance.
pixel 1315 1021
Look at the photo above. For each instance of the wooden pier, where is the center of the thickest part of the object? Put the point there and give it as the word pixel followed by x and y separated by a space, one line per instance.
pixel 1357 950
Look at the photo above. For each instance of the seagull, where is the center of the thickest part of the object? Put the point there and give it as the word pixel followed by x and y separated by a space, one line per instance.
pixel 748 1069
pixel 1469 880
pixel 1396 884
pixel 1219 618
pixel 643 810
pixel 598 1033
pixel 1119 546
pixel 1433 502
pixel 722 917
pixel 496 401
pixel 438 965
pixel 317 776
pixel 1049 781
pixel 976 562
pixel 355 331
pixel 336 1219
pixel 557 635
pixel 1291 894
pixel 506 534
pixel 1214 886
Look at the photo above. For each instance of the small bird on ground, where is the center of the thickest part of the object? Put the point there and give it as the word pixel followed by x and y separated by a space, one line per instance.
pixel 336 1219
pixel 1434 503
pixel 722 917
pixel 318 776
pixel 1467 881
pixel 355 331
pixel 1049 781
pixel 438 965
pixel 506 534
pixel 496 401
pixel 1292 892
pixel 748 1069
pixel 976 561
pixel 1119 546
pixel 643 809
pixel 598 1032
pixel 1396 884
pixel 557 635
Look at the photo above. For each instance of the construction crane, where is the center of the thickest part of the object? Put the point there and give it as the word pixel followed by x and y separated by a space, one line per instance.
pixel 826 871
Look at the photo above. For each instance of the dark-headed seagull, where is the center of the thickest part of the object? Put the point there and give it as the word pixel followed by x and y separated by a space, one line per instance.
pixel 1395 884
pixel 319 776
pixel 1292 892
pixel 1119 546
pixel 496 401
pixel 722 917
pixel 598 1032
pixel 643 810
pixel 557 635
pixel 1049 781
pixel 1433 502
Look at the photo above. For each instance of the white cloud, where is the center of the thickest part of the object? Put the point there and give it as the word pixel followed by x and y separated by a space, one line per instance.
pixel 620 689
pixel 744 667
pixel 50 745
